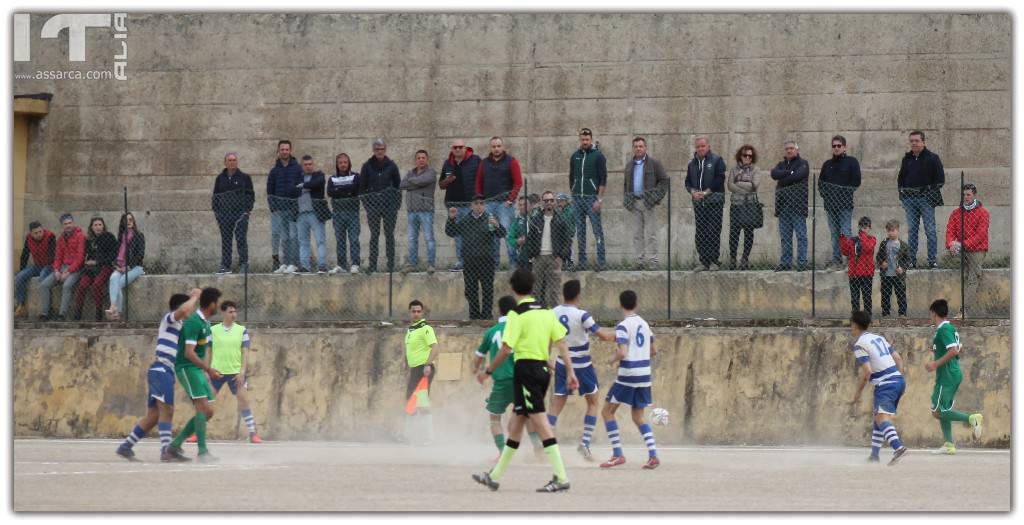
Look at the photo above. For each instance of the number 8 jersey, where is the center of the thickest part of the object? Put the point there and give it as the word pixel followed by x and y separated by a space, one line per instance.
pixel 635 369
pixel 875 350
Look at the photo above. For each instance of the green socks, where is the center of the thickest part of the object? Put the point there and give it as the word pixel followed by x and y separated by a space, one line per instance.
pixel 953 415
pixel 503 461
pixel 555 457
pixel 189 429
pixel 200 425
pixel 947 429
pixel 499 441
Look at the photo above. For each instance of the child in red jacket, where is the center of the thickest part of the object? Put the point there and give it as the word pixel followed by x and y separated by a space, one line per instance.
pixel 860 251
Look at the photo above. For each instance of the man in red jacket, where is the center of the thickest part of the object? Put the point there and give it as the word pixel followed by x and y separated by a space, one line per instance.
pixel 67 265
pixel 859 251
pixel 36 261
pixel 973 240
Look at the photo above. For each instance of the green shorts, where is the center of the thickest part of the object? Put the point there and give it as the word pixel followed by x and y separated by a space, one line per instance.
pixel 193 381
pixel 500 397
pixel 943 396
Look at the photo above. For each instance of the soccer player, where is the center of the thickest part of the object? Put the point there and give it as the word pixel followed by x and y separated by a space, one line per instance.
pixel 160 377
pixel 580 325
pixel 946 349
pixel 501 390
pixel 420 353
pixel 230 357
pixel 530 329
pixel 882 366
pixel 633 383
pixel 191 362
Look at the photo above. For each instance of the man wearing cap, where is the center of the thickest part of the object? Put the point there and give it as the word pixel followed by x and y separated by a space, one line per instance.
pixel 477 229
pixel 645 183
pixel 67 264
pixel 379 180
pixel 458 180
pixel 588 175
pixel 565 209
pixel 39 248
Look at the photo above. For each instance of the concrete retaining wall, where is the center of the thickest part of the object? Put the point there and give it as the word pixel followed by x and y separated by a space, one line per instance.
pixel 202 85
pixel 740 385
pixel 722 295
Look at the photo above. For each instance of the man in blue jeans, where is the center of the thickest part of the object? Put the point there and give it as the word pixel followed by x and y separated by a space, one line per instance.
pixel 313 213
pixel 499 179
pixel 588 176
pixel 920 183
pixel 36 261
pixel 791 206
pixel 419 203
pixel 282 197
pixel 838 180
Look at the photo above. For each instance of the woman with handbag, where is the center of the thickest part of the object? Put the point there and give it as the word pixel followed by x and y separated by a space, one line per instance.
pixel 745 211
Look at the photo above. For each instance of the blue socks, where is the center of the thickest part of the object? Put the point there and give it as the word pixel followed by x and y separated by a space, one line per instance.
pixel 890 435
pixel 165 434
pixel 648 434
pixel 552 420
pixel 613 437
pixel 133 438
pixel 250 422
pixel 589 422
pixel 876 440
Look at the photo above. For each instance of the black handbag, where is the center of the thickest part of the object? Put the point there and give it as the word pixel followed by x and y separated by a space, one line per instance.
pixel 749 214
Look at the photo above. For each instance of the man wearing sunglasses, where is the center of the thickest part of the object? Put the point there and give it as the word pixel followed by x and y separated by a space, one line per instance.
pixel 838 180
pixel 548 242
pixel 458 180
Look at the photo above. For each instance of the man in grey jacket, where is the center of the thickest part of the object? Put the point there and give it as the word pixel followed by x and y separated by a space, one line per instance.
pixel 644 185
pixel 419 203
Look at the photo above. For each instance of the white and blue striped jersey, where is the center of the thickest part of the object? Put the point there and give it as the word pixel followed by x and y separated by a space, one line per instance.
pixel 580 325
pixel 635 369
pixel 167 340
pixel 875 350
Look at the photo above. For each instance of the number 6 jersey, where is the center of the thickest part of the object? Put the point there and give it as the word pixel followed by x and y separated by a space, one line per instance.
pixel 635 369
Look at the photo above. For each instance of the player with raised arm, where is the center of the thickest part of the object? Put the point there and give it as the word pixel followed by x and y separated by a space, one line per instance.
pixel 882 366
pixel 946 349
pixel 530 331
pixel 580 324
pixel 160 378
pixel 633 382
pixel 191 363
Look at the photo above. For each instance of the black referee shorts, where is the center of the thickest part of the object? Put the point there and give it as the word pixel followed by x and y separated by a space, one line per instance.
pixel 530 381
pixel 415 374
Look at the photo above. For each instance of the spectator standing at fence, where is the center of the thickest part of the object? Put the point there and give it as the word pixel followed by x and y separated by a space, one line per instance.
pixel 644 185
pixel 860 253
pixel 478 231
pixel 131 250
pixel 893 259
pixel 458 180
pixel 379 179
pixel 313 213
pixel 975 219
pixel 517 231
pixel 547 246
pixel 565 208
pixel 588 176
pixel 100 253
pixel 705 182
pixel 791 205
pixel 838 180
pixel 67 265
pixel 36 261
pixel 745 212
pixel 343 189
pixel 499 179
pixel 419 203
pixel 282 198
pixel 920 183
pixel 233 199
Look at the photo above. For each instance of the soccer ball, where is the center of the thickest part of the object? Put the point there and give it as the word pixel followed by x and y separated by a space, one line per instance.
pixel 659 416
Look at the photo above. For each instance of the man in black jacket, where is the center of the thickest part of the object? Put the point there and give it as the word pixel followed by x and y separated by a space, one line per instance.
pixel 478 230
pixel 458 180
pixel 378 189
pixel 920 185
pixel 233 198
pixel 313 213
pixel 838 180
pixel 705 182
pixel 282 198
pixel 791 206
pixel 343 189
pixel 548 245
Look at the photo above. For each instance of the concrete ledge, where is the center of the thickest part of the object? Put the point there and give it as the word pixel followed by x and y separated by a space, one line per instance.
pixel 721 295
pixel 722 385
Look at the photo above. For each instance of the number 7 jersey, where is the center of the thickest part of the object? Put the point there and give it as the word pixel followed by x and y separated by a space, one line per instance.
pixel 875 350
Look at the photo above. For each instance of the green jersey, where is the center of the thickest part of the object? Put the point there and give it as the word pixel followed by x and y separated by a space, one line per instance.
pixel 490 346
pixel 946 337
pixel 194 331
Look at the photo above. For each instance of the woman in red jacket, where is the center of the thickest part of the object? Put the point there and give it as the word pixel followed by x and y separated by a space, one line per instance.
pixel 859 251
pixel 973 240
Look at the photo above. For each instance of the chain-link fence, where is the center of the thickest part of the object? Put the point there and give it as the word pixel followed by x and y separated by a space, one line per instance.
pixel 755 243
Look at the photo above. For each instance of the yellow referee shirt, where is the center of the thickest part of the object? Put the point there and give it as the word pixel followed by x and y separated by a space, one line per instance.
pixel 530 329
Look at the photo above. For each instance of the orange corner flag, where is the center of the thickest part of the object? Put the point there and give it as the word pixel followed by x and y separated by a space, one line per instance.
pixel 418 397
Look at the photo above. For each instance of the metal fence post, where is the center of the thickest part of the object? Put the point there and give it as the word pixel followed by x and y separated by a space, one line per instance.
pixel 124 289
pixel 669 257
pixel 963 258
pixel 814 236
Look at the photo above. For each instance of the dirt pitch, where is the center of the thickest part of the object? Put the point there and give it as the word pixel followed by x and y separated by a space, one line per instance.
pixel 85 475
